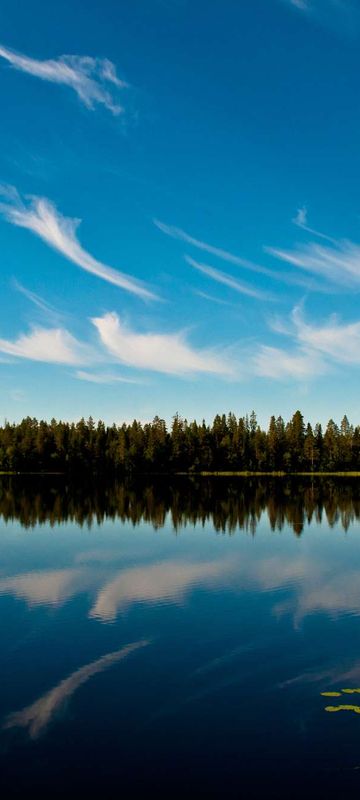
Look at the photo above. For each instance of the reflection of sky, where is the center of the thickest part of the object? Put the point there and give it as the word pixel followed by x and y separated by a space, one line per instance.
pixel 49 587
pixel 37 716
pixel 219 610
pixel 168 581
pixel 117 567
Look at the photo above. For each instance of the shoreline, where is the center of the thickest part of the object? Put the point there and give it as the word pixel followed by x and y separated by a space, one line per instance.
pixel 200 474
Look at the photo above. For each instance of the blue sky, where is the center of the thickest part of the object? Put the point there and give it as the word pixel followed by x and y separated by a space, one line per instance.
pixel 179 209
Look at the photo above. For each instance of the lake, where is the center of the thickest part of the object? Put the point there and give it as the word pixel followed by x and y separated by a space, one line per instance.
pixel 199 637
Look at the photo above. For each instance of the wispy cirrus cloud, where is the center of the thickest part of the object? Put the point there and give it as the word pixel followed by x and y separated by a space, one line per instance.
pixel 314 349
pixel 226 279
pixel 169 353
pixel 103 377
pixel 301 220
pixel 224 255
pixel 231 258
pixel 212 299
pixel 52 345
pixel 279 364
pixel 93 79
pixel 337 262
pixel 338 341
pixel 46 308
pixel 41 217
pixel 218 252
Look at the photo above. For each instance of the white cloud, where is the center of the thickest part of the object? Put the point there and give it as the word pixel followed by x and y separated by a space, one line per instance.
pixel 42 218
pixel 224 255
pixel 340 342
pixel 168 353
pixel 227 280
pixel 48 310
pixel 213 299
pixel 54 345
pixel 90 78
pixel 315 347
pixel 339 264
pixel 301 217
pixel 279 364
pixel 37 716
pixel 103 378
pixel 301 220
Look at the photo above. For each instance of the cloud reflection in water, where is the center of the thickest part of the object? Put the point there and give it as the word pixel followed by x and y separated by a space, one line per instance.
pixel 167 581
pixel 47 587
pixel 37 716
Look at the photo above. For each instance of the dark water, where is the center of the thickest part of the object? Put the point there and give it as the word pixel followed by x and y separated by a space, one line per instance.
pixel 175 640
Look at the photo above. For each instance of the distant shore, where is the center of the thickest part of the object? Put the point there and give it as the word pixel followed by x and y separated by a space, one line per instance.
pixel 193 474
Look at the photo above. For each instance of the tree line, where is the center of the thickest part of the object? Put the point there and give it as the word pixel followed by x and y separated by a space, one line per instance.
pixel 229 444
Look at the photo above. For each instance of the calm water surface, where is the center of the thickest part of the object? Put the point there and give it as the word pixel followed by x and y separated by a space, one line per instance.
pixel 177 640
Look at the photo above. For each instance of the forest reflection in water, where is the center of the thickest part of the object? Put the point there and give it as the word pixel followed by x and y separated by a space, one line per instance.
pixel 228 504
